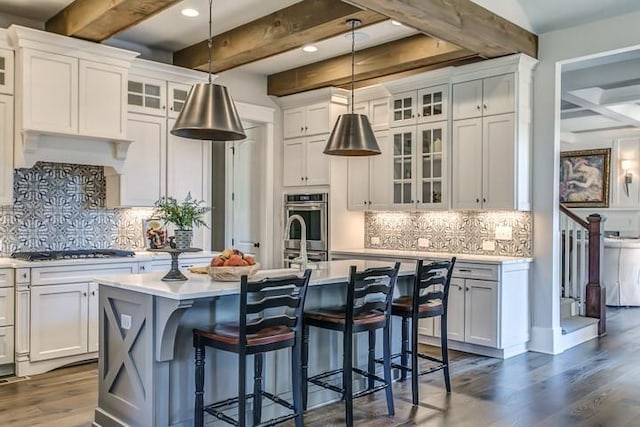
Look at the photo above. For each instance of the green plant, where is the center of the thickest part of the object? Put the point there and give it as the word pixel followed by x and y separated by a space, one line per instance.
pixel 185 215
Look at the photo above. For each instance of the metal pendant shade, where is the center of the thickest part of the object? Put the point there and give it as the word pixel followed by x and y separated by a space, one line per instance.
pixel 352 136
pixel 209 113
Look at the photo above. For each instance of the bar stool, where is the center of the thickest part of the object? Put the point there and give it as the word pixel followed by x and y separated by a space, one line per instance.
pixel 367 308
pixel 421 304
pixel 257 332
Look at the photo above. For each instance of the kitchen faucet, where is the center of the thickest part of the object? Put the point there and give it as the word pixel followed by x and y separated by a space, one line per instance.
pixel 302 259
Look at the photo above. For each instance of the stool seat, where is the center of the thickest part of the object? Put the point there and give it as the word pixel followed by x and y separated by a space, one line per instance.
pixel 403 306
pixel 338 315
pixel 229 333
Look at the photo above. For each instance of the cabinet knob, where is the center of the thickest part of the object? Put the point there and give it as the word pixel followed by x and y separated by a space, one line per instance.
pixel 302 178
pixel 485 106
pixel 417 201
pixel 171 108
pixel 467 289
pixel 84 294
pixel 305 128
pixel 24 275
pixel 256 245
pixel 301 129
pixel 369 201
pixel 484 200
pixel 164 107
pixel 477 200
pixel 478 107
pixel 93 293
pixel 306 178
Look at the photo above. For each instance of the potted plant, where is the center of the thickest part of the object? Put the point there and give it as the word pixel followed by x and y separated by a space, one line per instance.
pixel 184 215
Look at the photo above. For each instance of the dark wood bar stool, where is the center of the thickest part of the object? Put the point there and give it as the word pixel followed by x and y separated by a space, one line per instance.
pixel 258 331
pixel 367 308
pixel 426 301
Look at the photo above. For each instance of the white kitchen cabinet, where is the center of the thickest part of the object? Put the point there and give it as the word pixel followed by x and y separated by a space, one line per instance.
pixel 6 306
pixel 306 121
pixel 455 310
pixel 6 345
pixel 483 97
pixel 419 106
pixel 59 321
pixel 481 312
pixel 146 95
pixel 404 168
pixel 6 150
pixel 304 162
pixel 93 327
pixel 369 179
pixel 6 71
pixel 377 110
pixel 177 93
pixel 7 316
pixel 486 172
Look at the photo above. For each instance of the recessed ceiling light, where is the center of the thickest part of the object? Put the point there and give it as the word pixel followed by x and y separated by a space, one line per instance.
pixel 396 23
pixel 189 12
pixel 310 48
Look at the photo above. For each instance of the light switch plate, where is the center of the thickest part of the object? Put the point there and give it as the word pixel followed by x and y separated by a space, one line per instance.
pixel 125 321
pixel 375 240
pixel 423 243
pixel 504 232
pixel 488 245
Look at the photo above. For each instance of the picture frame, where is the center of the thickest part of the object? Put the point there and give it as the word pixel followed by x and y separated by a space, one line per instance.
pixel 584 178
pixel 154 233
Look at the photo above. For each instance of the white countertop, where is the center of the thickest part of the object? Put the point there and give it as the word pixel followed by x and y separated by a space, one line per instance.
pixel 139 257
pixel 202 286
pixel 494 259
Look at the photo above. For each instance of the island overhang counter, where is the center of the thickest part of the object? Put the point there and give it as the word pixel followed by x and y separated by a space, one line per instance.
pixel 146 362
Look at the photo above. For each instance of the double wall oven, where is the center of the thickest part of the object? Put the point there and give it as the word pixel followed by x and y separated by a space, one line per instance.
pixel 313 208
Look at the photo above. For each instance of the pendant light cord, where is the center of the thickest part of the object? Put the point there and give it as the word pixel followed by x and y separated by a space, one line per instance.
pixel 353 58
pixel 210 40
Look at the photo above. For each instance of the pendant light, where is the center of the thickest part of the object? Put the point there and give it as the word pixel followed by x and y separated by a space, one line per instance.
pixel 209 112
pixel 352 134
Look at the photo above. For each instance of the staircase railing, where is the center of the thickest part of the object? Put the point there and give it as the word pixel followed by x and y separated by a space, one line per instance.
pixel 581 263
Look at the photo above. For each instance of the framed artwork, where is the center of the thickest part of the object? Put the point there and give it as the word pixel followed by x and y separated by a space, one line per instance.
pixel 584 178
pixel 154 234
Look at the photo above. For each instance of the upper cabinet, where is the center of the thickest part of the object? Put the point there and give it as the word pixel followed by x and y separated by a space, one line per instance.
pixel 177 93
pixel 6 71
pixel 419 106
pixel 369 179
pixel 306 121
pixel 484 97
pixel 6 150
pixel 146 95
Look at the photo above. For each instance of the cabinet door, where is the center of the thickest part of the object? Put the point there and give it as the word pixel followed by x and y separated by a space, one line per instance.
pixel 403 166
pixel 498 162
pixel 379 114
pixel 6 150
pixel 50 99
pixel 431 164
pixel 498 95
pixel 189 172
pixel 466 164
pixel 317 119
pixel 432 104
pixel 381 174
pixel 145 158
pixel 293 122
pixel 467 100
pixel 358 183
pixel 317 164
pixel 6 345
pixel 59 321
pixel 147 96
pixel 481 312
pixel 455 310
pixel 94 317
pixel 403 109
pixel 6 71
pixel 6 306
pixel 293 163
pixel 177 97
pixel 102 100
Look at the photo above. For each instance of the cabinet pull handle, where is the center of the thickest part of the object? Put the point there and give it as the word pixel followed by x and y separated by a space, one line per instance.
pixel 464 270
pixel 93 293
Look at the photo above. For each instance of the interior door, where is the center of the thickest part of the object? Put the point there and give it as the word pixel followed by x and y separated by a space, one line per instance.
pixel 246 196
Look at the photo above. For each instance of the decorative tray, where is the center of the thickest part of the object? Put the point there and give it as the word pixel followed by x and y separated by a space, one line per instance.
pixel 227 274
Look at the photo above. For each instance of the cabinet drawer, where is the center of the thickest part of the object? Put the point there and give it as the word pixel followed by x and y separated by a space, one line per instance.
pixel 476 271
pixel 6 277
pixel 78 273
pixel 6 345
pixel 6 306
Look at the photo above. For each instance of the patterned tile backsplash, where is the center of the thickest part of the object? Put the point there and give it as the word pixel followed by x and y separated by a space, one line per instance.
pixel 452 231
pixel 61 206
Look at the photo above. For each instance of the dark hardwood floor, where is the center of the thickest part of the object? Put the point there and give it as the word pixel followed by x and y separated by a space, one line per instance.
pixel 594 384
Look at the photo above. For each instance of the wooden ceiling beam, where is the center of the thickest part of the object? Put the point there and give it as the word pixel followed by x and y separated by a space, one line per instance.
pixel 415 52
pixel 461 22
pixel 308 21
pixel 98 20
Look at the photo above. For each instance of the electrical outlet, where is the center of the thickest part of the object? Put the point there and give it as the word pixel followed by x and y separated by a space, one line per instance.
pixel 423 243
pixel 375 240
pixel 125 321
pixel 504 232
pixel 488 245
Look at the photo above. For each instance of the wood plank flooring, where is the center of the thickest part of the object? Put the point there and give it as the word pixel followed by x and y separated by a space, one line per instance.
pixel 595 384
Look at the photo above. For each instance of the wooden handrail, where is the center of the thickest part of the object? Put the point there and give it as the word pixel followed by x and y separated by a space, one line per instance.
pixel 568 212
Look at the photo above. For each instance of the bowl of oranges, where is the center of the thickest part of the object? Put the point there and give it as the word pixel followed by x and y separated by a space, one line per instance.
pixel 232 264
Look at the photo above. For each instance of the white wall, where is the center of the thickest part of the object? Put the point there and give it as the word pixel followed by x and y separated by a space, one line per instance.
pixel 555 48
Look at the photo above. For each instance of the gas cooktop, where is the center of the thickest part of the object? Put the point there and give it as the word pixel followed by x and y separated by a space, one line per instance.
pixel 75 254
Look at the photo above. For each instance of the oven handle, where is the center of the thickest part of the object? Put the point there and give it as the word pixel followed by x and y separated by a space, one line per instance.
pixel 304 208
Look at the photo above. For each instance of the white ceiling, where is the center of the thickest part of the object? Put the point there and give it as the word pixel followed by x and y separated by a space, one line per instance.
pixel 38 10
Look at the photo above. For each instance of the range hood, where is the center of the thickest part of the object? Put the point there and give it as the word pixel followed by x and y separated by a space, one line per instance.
pixel 70 100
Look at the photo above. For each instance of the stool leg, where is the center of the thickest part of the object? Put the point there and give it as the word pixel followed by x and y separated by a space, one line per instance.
pixel 242 389
pixel 297 383
pixel 372 357
pixel 257 387
pixel 347 377
pixel 386 344
pixel 444 345
pixel 404 348
pixel 305 365
pixel 198 415
pixel 415 368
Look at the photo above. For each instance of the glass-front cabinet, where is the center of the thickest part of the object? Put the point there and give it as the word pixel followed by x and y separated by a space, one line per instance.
pixel 177 97
pixel 6 71
pixel 403 166
pixel 422 106
pixel 146 96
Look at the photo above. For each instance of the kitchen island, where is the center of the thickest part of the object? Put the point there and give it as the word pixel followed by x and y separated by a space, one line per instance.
pixel 146 374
